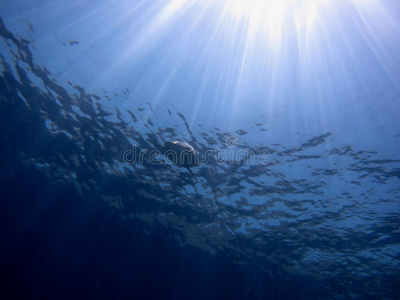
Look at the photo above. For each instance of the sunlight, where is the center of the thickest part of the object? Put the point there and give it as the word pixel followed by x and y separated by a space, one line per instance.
pixel 261 13
pixel 271 15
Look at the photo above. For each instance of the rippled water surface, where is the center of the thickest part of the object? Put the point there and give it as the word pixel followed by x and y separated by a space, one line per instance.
pixel 292 108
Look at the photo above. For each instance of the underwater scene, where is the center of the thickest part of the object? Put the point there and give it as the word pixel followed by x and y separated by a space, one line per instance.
pixel 200 149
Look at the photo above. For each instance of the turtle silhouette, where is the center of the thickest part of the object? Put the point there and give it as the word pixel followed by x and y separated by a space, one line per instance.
pixel 181 154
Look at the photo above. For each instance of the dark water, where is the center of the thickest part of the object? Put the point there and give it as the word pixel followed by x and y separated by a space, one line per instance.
pixel 77 221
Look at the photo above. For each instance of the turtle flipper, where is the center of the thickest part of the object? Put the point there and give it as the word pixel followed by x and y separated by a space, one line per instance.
pixel 192 174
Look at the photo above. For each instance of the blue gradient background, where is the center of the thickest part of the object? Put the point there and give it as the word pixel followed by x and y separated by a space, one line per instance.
pixel 321 66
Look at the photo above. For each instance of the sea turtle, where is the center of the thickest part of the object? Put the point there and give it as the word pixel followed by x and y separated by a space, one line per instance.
pixel 181 154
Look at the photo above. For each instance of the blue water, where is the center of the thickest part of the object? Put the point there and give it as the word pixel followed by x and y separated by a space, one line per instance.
pixel 292 107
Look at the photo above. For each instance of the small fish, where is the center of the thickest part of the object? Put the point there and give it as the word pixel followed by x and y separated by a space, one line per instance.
pixel 182 154
pixel 30 26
